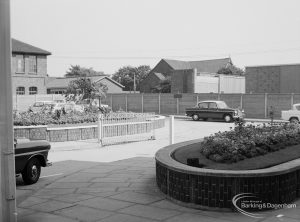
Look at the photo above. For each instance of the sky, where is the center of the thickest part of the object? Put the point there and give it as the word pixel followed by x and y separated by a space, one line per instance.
pixel 109 34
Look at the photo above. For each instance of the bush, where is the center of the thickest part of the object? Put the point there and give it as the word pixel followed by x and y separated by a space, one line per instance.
pixel 249 141
pixel 46 118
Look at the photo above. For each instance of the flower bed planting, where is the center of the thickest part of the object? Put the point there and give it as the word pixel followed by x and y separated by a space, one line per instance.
pixel 249 141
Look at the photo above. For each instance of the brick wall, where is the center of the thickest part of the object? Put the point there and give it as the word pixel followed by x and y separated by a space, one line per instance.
pixel 183 81
pixel 28 79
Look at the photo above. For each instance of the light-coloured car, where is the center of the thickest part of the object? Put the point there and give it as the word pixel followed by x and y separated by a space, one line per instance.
pixel 292 115
pixel 40 105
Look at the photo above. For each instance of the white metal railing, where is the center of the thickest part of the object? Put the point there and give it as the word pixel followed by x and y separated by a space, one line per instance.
pixel 117 128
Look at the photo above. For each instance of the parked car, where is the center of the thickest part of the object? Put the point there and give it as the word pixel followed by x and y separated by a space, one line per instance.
pixel 30 156
pixel 292 115
pixel 40 105
pixel 213 109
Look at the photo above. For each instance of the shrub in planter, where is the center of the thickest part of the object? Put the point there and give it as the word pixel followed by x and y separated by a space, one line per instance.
pixel 249 141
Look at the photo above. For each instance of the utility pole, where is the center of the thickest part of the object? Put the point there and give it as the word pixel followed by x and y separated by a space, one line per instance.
pixel 7 159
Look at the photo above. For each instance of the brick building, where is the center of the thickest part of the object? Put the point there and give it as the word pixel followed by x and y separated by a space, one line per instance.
pixel 273 79
pixel 29 69
pixel 29 73
pixel 181 73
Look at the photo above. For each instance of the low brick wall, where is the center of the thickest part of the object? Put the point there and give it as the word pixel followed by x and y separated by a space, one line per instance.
pixel 214 189
pixel 61 134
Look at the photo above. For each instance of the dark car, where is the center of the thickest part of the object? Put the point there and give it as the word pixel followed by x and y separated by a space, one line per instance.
pixel 30 156
pixel 214 110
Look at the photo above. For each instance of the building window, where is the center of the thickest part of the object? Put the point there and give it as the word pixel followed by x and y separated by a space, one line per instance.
pixel 32 90
pixel 20 63
pixel 32 64
pixel 20 90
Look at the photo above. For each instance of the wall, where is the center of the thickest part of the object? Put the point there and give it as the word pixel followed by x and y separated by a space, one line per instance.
pixel 255 105
pixel 273 79
pixel 27 79
pixel 183 81
pixel 207 84
pixel 290 79
pixel 232 84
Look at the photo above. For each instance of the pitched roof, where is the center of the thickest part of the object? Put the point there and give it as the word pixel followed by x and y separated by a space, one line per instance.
pixel 178 65
pixel 62 82
pixel 159 76
pixel 22 47
pixel 211 66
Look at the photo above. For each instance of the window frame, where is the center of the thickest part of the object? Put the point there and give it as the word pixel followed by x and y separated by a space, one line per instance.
pixel 18 91
pixel 31 91
pixel 20 57
pixel 32 62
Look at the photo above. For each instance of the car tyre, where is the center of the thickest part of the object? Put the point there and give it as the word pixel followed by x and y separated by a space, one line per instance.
pixel 294 120
pixel 195 117
pixel 32 171
pixel 227 118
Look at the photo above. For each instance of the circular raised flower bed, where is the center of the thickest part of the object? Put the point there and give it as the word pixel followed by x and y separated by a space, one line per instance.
pixel 215 188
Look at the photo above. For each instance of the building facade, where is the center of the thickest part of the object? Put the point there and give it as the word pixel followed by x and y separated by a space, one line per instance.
pixel 273 79
pixel 181 73
pixel 29 69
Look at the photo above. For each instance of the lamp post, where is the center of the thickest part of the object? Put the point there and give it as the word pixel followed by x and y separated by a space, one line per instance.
pixel 7 159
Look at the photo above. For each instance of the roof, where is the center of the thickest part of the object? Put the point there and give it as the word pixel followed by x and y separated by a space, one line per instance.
pixel 291 64
pixel 22 47
pixel 210 66
pixel 63 82
pixel 159 76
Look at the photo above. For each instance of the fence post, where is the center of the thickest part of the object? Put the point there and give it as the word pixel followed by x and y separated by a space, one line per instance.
pixel 197 99
pixel 171 130
pixel 158 103
pixel 241 101
pixel 16 101
pixel 126 102
pixel 266 105
pixel 100 129
pixel 142 102
pixel 177 106
pixel 292 100
pixel 111 102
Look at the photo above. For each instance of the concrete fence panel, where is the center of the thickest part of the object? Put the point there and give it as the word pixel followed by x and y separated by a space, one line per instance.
pixel 232 100
pixel 135 103
pixel 254 105
pixel 119 102
pixel 278 102
pixel 187 100
pixel 296 98
pixel 151 103
pixel 168 104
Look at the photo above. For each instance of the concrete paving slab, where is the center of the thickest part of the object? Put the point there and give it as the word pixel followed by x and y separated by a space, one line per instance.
pixel 92 190
pixel 110 184
pixel 68 185
pixel 137 197
pixel 149 212
pixel 105 203
pixel 53 192
pixel 32 201
pixel 125 218
pixel 50 206
pixel 73 197
pixel 84 214
pixel 44 217
pixel 22 212
pixel 194 218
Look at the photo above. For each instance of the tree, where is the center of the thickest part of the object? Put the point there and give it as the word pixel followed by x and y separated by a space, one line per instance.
pixel 77 71
pixel 163 87
pixel 84 88
pixel 126 75
pixel 231 70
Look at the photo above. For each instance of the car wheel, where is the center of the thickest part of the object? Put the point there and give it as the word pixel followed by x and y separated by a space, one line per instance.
pixel 294 120
pixel 195 117
pixel 227 118
pixel 32 171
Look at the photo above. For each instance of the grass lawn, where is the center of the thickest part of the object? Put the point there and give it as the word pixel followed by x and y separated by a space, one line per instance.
pixel 259 162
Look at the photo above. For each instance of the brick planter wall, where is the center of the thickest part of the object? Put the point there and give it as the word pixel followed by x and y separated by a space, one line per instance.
pixel 61 134
pixel 214 189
